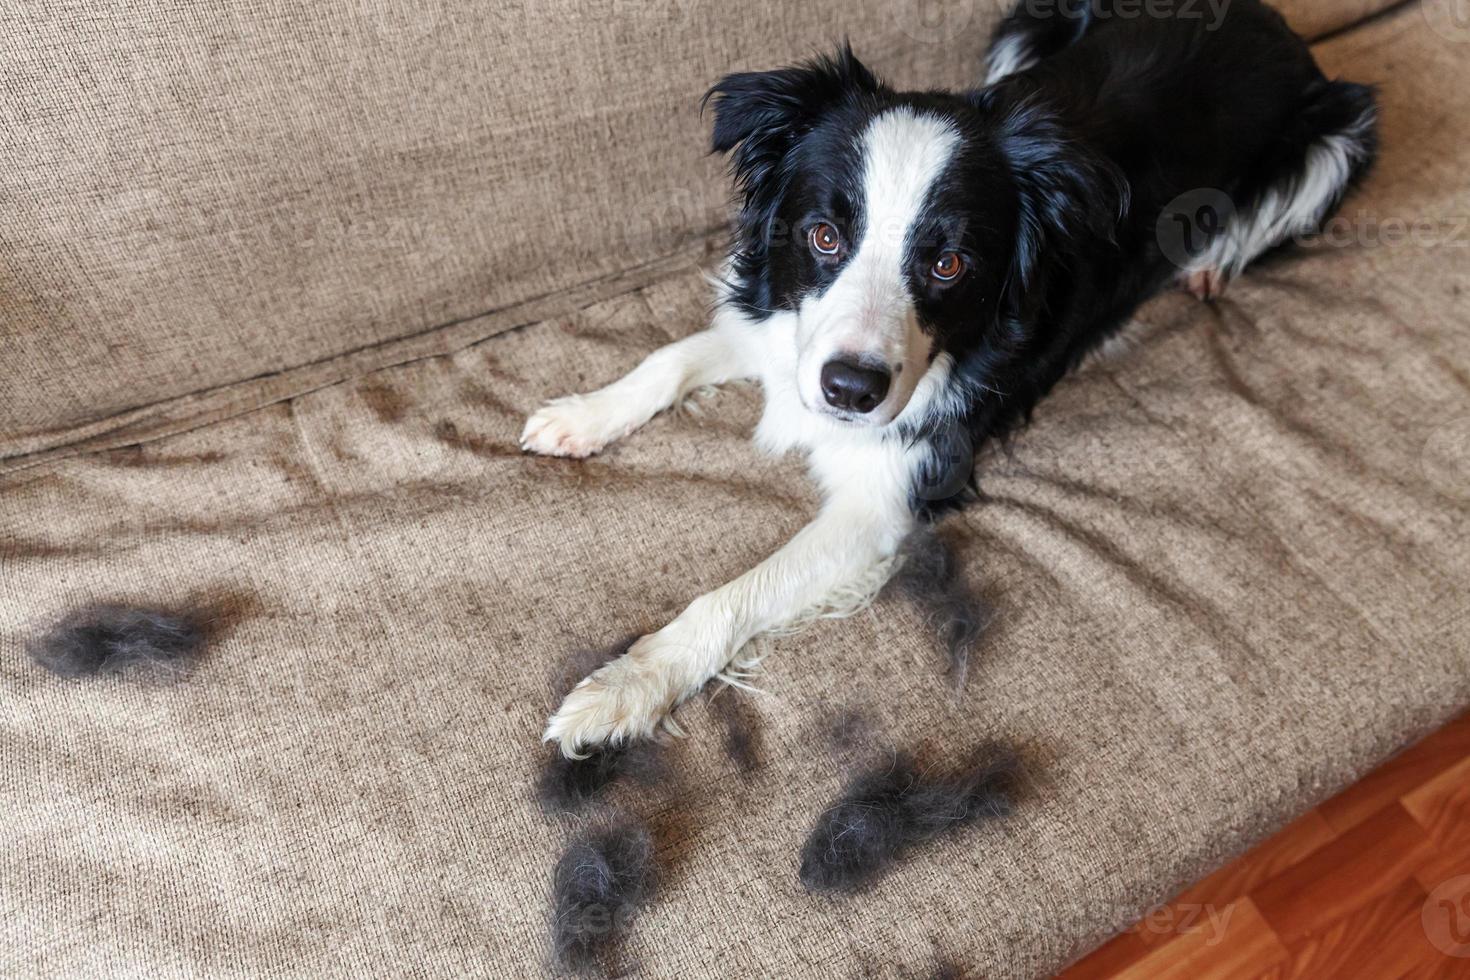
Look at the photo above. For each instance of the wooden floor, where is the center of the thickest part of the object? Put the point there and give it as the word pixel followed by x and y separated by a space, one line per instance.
pixel 1374 883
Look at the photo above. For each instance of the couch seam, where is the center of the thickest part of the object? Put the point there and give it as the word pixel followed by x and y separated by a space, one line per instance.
pixel 705 238
pixel 1363 21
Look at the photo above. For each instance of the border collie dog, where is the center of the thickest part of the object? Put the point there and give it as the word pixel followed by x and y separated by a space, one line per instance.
pixel 911 272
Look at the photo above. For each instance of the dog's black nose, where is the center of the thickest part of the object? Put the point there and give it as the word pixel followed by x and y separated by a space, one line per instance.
pixel 853 388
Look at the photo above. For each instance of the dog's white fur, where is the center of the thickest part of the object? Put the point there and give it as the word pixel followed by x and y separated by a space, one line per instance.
pixel 865 471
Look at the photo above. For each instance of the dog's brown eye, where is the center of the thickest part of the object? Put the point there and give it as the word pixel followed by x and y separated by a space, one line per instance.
pixel 947 267
pixel 825 240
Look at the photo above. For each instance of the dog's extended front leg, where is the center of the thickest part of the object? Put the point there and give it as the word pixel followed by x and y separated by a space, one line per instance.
pixel 860 525
pixel 580 425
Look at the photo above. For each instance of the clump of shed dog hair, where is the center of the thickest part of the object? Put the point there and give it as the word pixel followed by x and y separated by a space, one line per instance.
pixel 891 807
pixel 570 784
pixel 602 879
pixel 930 576
pixel 113 639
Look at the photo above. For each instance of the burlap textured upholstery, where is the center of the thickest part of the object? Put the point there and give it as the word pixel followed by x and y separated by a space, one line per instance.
pixel 1230 568
pixel 206 205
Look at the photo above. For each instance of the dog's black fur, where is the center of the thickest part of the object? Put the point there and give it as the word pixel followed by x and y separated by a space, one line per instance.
pixel 1054 197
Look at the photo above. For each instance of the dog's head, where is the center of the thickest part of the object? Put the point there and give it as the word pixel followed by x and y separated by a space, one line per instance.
pixel 896 226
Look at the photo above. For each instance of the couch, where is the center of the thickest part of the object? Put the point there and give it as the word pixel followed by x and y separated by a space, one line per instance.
pixel 279 283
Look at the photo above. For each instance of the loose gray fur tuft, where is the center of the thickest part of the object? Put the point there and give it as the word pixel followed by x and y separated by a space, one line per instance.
pixel 932 578
pixel 567 785
pixel 601 881
pixel 113 639
pixel 889 808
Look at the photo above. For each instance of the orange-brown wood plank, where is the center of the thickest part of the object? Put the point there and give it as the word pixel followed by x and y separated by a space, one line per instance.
pixel 1445 919
pixel 1237 945
pixel 1204 899
pixel 1380 938
pixel 1446 968
pixel 1374 883
pixel 1442 808
pixel 1289 847
pixel 1406 771
pixel 1332 881
pixel 1108 960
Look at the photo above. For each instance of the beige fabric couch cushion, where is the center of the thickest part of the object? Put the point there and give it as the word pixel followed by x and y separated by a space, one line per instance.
pixel 1230 573
pixel 1314 19
pixel 207 195
pixel 207 207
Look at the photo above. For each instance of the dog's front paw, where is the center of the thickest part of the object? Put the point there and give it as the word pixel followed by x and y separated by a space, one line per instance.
pixel 575 426
pixel 626 699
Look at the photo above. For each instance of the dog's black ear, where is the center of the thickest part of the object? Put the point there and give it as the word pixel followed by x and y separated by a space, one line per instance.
pixel 761 115
pixel 1067 194
pixel 765 112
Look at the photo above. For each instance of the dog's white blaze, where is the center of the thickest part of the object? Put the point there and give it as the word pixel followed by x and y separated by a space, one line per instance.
pixel 868 310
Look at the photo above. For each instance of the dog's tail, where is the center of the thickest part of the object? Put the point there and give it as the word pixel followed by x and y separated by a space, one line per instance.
pixel 1029 34
pixel 1325 151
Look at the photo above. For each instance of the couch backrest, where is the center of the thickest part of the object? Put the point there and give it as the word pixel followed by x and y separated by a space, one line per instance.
pixel 198 194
